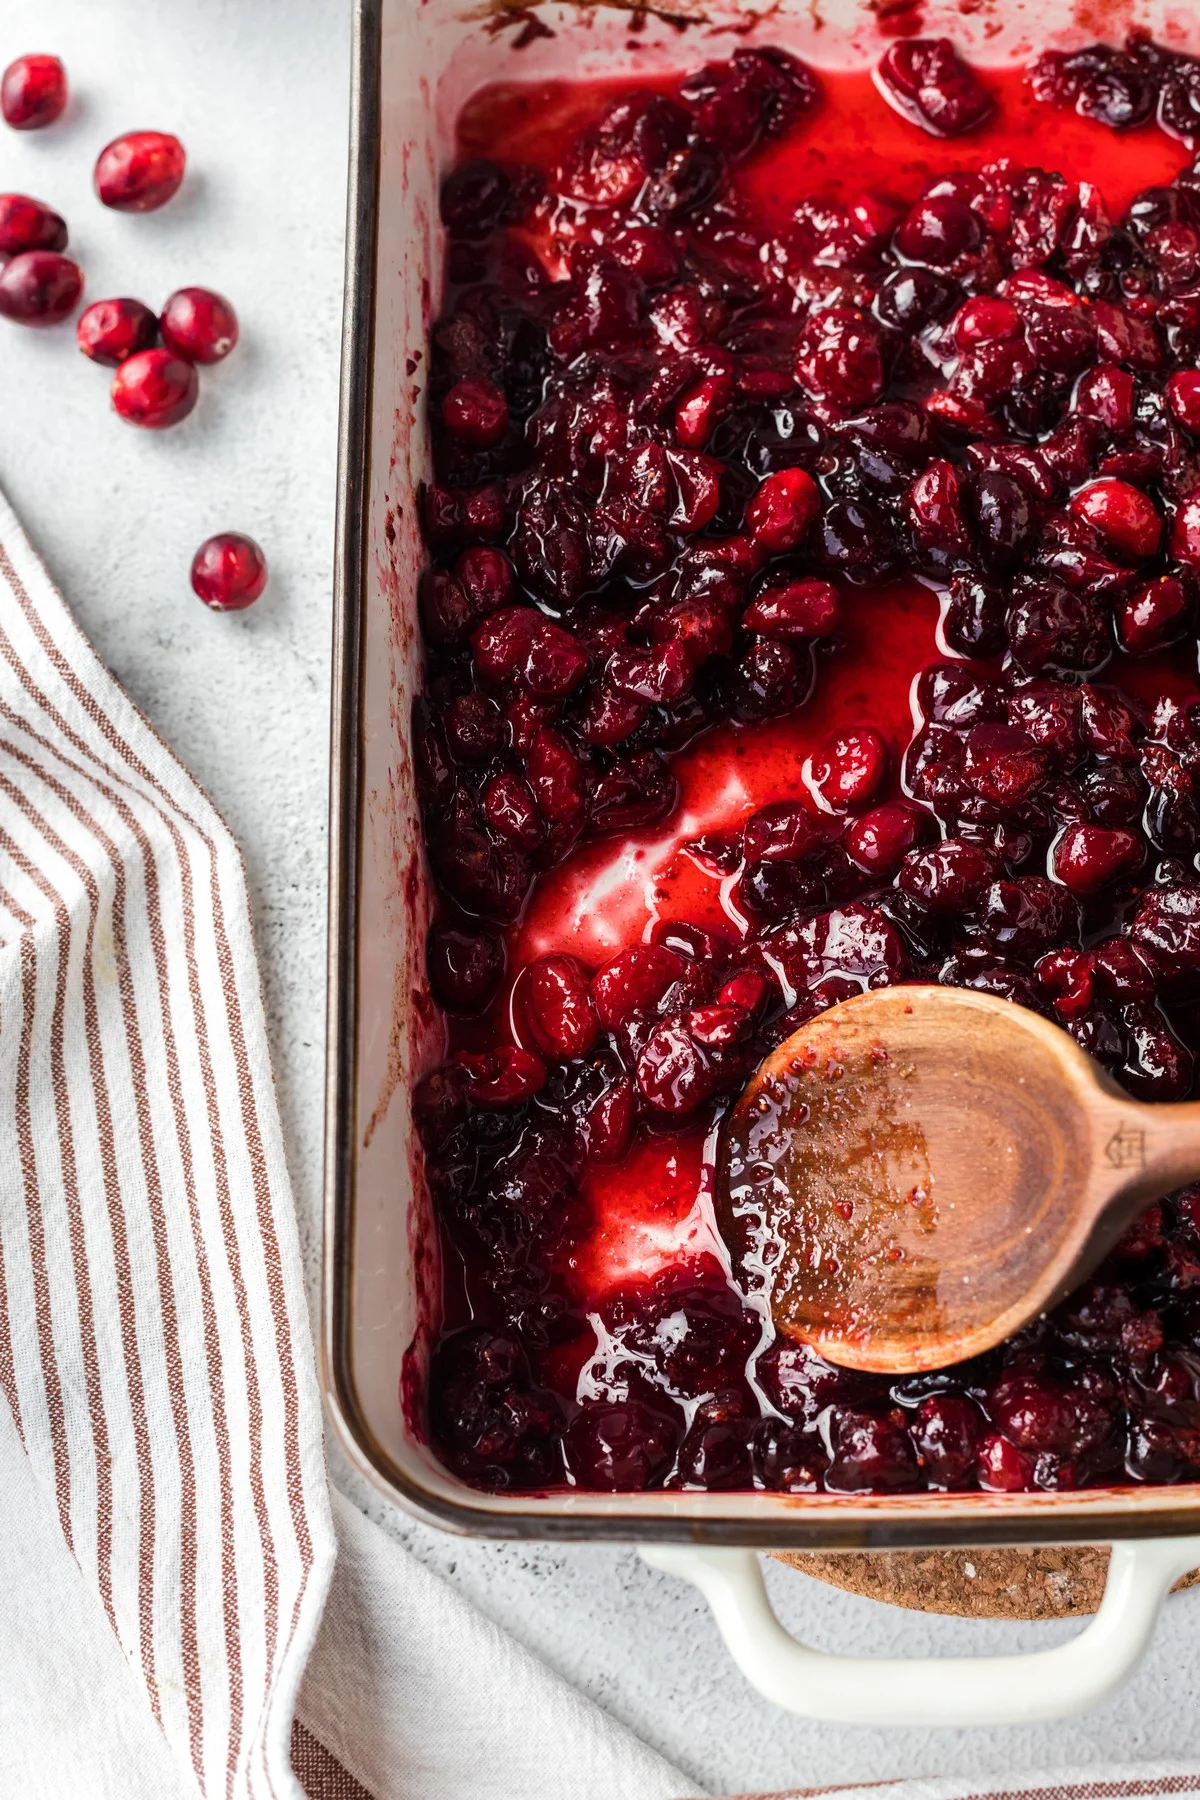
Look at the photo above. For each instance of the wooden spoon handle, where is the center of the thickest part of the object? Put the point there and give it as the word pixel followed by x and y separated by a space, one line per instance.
pixel 1141 1153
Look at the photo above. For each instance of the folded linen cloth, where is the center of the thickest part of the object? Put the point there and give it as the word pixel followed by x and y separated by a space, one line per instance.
pixel 166 1532
pixel 155 1353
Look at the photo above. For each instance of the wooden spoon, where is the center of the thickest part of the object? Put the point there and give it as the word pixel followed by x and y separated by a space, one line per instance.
pixel 917 1172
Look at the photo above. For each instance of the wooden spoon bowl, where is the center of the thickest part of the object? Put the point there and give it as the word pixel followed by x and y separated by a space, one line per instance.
pixel 919 1171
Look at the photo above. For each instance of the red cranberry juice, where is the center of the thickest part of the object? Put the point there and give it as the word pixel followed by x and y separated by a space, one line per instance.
pixel 814 534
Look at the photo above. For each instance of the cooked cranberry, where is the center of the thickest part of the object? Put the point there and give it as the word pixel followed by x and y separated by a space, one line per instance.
pixel 779 515
pixel 697 1333
pixel 946 1430
pixel 872 1453
pixel 839 358
pixel 476 412
pixel 975 617
pixel 938 230
pixel 1002 1468
pixel 39 287
pixel 140 172
pixel 935 508
pixel 33 92
pixel 1182 392
pixel 198 325
pixel 610 1122
pixel 154 389
pixel 879 840
pixel 509 808
pixel 1127 520
pixel 557 1007
pixel 474 198
pixel 517 643
pixel 778 833
pixel 1106 393
pixel 1087 857
pixel 1002 765
pixel 229 571
pixel 1185 532
pixel 26 224
pixel 794 609
pixel 111 331
pixel 1166 927
pixel 623 1447
pixel 702 407
pixel 849 770
pixel 948 878
pixel 1152 616
pixel 464 967
pixel 636 979
pixel 501 1077
pixel 1101 83
pixel 927 81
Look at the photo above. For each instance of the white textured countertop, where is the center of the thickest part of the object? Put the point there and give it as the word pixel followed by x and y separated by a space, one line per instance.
pixel 257 89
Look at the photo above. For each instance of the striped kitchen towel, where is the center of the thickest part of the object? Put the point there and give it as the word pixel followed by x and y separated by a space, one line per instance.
pixel 154 1342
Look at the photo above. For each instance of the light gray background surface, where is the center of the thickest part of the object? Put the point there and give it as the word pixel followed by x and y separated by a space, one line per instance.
pixel 257 89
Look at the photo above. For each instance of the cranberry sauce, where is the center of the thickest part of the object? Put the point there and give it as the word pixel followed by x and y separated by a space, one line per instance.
pixel 815 539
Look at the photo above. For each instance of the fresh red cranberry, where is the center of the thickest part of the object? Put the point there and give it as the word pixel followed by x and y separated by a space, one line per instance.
pixel 198 325
pixel 1126 518
pixel 1182 392
pixel 140 172
pixel 1087 858
pixel 849 770
pixel 476 412
pixel 634 981
pixel 926 80
pixel 557 1007
pixel 878 841
pixel 806 608
pixel 780 513
pixel 26 224
pixel 465 967
pixel 33 92
pixel 1185 532
pixel 154 389
pixel 503 1077
pixel 229 571
pixel 622 1447
pixel 1152 616
pixel 39 287
pixel 111 331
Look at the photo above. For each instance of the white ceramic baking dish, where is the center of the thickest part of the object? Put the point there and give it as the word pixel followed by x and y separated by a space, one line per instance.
pixel 416 62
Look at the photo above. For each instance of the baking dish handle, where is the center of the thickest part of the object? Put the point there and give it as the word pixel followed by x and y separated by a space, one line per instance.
pixel 935 1690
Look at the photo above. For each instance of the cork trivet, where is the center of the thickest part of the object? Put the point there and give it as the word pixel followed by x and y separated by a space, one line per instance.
pixel 1045 1583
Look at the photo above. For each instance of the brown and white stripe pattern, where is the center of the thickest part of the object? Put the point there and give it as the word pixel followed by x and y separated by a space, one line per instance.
pixel 154 1341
